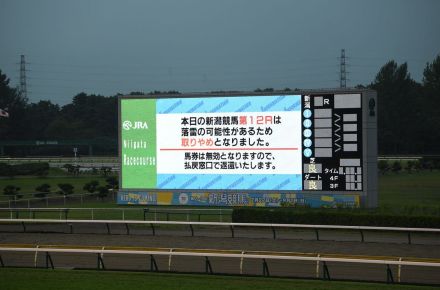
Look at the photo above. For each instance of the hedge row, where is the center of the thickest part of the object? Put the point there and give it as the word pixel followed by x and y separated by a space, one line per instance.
pixel 332 217
pixel 41 168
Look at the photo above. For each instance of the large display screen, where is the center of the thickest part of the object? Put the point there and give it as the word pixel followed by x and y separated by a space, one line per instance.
pixel 242 143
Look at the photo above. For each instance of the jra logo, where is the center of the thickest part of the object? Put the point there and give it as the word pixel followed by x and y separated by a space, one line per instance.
pixel 128 125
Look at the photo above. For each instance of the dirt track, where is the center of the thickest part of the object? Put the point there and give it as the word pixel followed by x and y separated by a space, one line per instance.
pixel 376 244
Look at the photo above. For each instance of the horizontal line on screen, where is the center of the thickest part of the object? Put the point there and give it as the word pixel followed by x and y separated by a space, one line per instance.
pixel 227 149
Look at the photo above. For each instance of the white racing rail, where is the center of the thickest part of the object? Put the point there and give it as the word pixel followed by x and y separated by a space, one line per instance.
pixel 191 225
pixel 92 212
pixel 320 259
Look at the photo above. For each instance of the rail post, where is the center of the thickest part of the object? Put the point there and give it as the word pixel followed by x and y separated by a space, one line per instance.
pixel 265 269
pixel 127 229
pixel 100 262
pixel 399 271
pixel 192 230
pixel 317 267
pixel 153 264
pixel 325 272
pixel 169 260
pixel 390 278
pixel 317 234
pixel 409 238
pixel 1 262
pixel 208 267
pixel 49 260
pixel 108 228
pixel 153 229
pixel 241 262
pixel 362 235
pixel 274 233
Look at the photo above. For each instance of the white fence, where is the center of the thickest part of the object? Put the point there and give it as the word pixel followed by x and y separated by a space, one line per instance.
pixel 320 259
pixel 231 225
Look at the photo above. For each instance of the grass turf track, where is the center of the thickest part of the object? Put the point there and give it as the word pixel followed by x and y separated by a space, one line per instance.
pixel 14 278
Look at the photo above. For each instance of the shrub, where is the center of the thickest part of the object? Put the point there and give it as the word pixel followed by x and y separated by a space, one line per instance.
pixel 43 188
pixel 102 192
pixel 397 166
pixel 91 186
pixel 334 217
pixel 383 166
pixel 112 182
pixel 40 169
pixel 11 190
pixel 65 188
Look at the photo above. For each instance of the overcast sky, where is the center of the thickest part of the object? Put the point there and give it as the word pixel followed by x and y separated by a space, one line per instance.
pixel 108 47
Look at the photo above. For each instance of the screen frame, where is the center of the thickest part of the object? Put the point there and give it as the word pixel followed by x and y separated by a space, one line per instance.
pixel 362 92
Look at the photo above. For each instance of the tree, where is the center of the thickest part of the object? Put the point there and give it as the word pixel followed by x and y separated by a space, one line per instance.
pixel 45 187
pixel 65 188
pixel 102 192
pixel 112 182
pixel 38 117
pixel 12 127
pixel 42 190
pixel 91 186
pixel 431 87
pixel 397 166
pixel 400 101
pixel 383 166
pixel 12 191
pixel 431 76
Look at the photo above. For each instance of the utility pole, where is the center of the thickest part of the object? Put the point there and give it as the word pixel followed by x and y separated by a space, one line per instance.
pixel 342 71
pixel 23 88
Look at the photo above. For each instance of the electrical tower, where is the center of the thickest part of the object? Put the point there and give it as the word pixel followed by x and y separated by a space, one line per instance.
pixel 23 88
pixel 342 72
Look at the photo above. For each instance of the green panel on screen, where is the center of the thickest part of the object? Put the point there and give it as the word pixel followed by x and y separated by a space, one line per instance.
pixel 138 143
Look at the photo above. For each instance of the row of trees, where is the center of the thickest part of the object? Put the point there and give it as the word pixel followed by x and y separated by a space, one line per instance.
pixel 408 113
pixel 66 188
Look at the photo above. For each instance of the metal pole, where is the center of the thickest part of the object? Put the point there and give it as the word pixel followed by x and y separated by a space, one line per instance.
pixel 317 268
pixel 241 263
pixel 169 259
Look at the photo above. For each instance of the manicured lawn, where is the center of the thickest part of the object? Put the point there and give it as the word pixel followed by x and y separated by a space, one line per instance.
pixel 75 279
pixel 396 191
pixel 405 189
